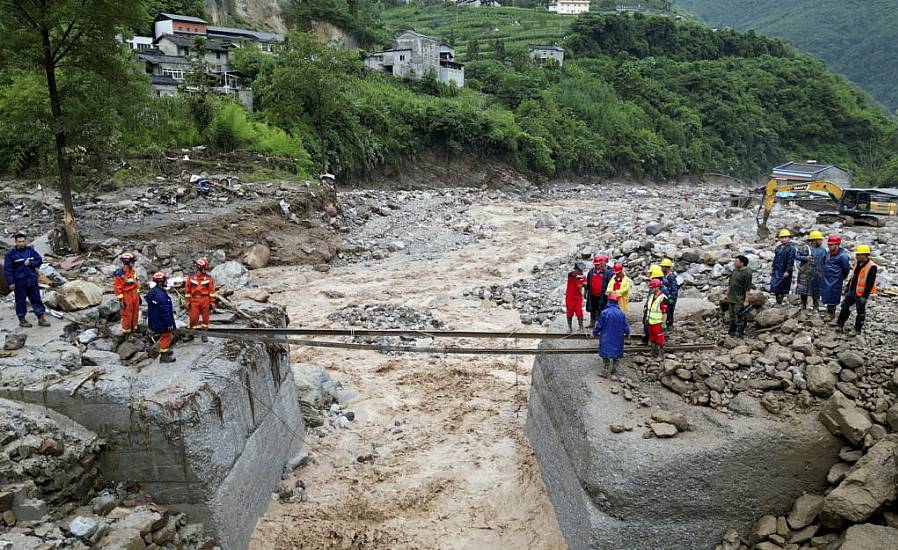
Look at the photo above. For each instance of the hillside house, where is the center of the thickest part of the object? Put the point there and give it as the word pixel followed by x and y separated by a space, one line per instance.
pixel 571 7
pixel 812 171
pixel 171 53
pixel 545 55
pixel 415 56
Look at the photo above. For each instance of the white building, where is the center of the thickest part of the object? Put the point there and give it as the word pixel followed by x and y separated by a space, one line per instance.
pixel 415 56
pixel 572 7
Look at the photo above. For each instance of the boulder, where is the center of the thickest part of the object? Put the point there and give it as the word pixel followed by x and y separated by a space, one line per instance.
pixel 850 359
pixel 231 275
pixel 663 429
pixel 872 483
pixel 841 416
pixel 257 256
pixel 867 536
pixel 821 380
pixel 655 228
pixel 628 247
pixel 805 511
pixel 770 317
pixel 83 526
pixel 93 357
pixel 14 342
pixel 892 416
pixel 314 386
pixel 79 294
pixel 762 529
pixel 605 487
pixel 123 539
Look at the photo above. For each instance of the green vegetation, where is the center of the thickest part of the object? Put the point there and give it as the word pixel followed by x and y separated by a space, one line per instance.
pixel 638 95
pixel 854 37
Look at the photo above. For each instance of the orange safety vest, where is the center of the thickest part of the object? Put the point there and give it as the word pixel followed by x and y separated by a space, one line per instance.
pixel 862 279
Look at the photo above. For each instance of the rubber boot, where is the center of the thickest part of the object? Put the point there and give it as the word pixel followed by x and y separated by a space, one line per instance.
pixel 592 319
pixel 661 353
pixel 580 321
pixel 817 305
pixel 844 313
pixel 732 328
pixel 654 348
pixel 570 327
pixel 859 323
pixel 606 367
pixel 42 321
pixel 204 338
pixel 830 313
pixel 804 302
pixel 779 299
pixel 740 330
pixel 24 323
pixel 613 366
pixel 166 357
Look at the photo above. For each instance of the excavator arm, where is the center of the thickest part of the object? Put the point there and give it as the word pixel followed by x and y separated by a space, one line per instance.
pixel 773 187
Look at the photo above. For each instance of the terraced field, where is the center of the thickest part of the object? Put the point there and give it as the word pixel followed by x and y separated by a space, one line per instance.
pixel 517 27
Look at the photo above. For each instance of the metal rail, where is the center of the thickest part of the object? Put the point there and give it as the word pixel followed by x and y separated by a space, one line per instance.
pixel 417 333
pixel 247 335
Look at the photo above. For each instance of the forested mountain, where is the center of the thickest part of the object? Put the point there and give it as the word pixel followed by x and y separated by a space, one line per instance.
pixel 855 37
pixel 638 95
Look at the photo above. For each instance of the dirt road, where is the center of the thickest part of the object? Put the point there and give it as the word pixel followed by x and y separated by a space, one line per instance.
pixel 454 468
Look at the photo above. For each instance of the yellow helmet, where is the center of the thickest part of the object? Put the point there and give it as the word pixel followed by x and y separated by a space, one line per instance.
pixel 655 271
pixel 784 233
pixel 666 262
pixel 815 235
pixel 862 249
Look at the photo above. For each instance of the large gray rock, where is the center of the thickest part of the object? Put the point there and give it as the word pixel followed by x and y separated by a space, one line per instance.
pixel 842 416
pixel 821 380
pixel 870 537
pixel 872 483
pixel 314 386
pixel 770 317
pixel 231 275
pixel 257 256
pixel 78 294
pixel 805 511
pixel 606 487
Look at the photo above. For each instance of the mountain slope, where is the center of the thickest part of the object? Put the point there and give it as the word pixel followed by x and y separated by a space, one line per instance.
pixel 854 37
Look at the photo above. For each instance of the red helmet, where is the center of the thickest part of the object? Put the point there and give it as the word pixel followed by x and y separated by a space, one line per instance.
pixel 202 263
pixel 159 276
pixel 654 283
pixel 834 239
pixel 618 267
pixel 597 260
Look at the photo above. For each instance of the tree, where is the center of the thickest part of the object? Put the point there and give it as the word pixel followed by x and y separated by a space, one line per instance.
pixel 472 53
pixel 499 46
pixel 74 37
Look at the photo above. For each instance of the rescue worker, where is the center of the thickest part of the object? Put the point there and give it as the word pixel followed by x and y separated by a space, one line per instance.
pixel 783 266
pixel 620 284
pixel 596 283
pixel 612 328
pixel 656 319
pixel 861 285
pixel 200 294
pixel 573 296
pixel 835 269
pixel 655 274
pixel 737 296
pixel 673 289
pixel 810 270
pixel 161 316
pixel 20 269
pixel 127 290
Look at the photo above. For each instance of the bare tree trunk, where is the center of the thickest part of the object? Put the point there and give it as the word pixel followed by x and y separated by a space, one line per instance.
pixel 65 184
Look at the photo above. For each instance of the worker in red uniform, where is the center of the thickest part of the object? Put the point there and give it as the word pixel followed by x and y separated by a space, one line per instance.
pixel 127 290
pixel 656 320
pixel 200 293
pixel 573 297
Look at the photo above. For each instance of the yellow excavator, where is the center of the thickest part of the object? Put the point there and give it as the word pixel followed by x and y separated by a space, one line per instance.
pixel 855 206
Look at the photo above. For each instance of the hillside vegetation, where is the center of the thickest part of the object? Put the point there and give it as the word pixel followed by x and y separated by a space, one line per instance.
pixel 854 37
pixel 643 96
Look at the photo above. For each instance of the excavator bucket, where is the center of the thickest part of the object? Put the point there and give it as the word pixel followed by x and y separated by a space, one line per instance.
pixel 763 231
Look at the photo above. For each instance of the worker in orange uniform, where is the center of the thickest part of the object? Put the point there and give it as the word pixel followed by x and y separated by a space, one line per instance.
pixel 656 320
pixel 861 287
pixel 573 297
pixel 200 293
pixel 127 290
